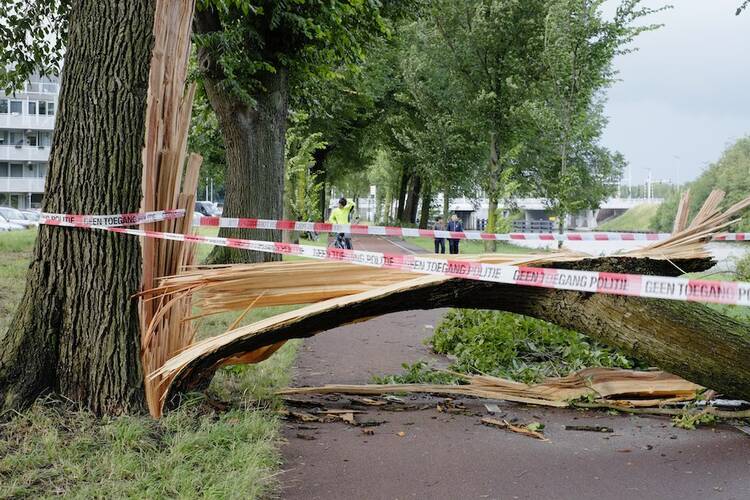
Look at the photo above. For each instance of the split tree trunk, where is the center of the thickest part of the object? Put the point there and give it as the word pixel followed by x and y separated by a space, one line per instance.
pixel 687 339
pixel 76 330
pixel 254 139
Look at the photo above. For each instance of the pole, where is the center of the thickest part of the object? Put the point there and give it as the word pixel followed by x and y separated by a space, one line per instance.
pixel 206 189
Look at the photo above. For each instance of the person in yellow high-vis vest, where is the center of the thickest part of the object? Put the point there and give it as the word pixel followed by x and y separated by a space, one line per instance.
pixel 342 215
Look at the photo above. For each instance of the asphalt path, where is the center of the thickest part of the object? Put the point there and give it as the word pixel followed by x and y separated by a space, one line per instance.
pixel 416 451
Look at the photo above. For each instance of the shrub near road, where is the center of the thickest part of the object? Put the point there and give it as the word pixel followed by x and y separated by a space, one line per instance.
pixel 518 347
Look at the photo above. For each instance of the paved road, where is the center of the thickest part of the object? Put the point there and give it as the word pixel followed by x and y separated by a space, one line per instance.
pixel 451 456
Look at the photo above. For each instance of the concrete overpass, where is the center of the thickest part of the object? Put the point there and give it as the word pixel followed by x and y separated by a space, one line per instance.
pixel 474 212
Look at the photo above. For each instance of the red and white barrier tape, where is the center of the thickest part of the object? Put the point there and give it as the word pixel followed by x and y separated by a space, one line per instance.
pixel 732 237
pixel 325 227
pixel 109 220
pixel 720 292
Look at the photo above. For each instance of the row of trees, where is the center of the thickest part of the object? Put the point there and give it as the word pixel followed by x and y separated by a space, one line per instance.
pixel 502 97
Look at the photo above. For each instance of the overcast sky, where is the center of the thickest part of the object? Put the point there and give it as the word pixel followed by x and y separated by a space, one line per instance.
pixel 685 94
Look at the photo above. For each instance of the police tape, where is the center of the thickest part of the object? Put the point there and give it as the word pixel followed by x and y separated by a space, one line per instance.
pixel 660 287
pixel 732 237
pixel 109 220
pixel 361 229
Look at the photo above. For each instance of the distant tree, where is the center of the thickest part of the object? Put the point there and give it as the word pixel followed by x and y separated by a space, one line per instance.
pixel 567 165
pixel 491 52
pixel 730 173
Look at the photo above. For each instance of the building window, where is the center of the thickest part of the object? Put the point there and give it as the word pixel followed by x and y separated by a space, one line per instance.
pixel 32 139
pixel 49 87
pixel 16 170
pixel 3 137
pixel 32 107
pixel 42 108
pixel 45 139
pixel 42 170
pixel 3 169
pixel 16 137
pixel 50 108
pixel 4 106
pixel 16 107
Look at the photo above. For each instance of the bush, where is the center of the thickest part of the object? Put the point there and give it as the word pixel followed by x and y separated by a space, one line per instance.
pixel 743 268
pixel 518 347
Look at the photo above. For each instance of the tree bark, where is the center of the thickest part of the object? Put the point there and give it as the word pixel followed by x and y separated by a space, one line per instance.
pixel 412 201
pixel 319 170
pixel 402 194
pixel 254 139
pixel 684 338
pixel 424 216
pixel 76 330
pixel 491 245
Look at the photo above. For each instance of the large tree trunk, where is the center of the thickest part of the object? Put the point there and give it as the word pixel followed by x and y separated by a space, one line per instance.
pixel 687 339
pixel 76 330
pixel 412 201
pixel 254 139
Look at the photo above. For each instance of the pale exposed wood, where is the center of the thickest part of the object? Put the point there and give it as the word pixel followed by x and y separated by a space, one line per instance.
pixel 627 387
pixel 163 331
pixel 683 209
pixel 710 207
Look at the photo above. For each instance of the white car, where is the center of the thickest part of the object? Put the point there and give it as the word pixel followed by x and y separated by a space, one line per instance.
pixel 15 216
pixel 32 217
pixel 6 225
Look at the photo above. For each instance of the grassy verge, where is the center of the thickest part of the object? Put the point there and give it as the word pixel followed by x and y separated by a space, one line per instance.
pixel 200 450
pixel 472 246
pixel 638 218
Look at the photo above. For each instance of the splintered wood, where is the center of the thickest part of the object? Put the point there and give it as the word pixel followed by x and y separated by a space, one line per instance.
pixel 621 387
pixel 330 287
pixel 169 182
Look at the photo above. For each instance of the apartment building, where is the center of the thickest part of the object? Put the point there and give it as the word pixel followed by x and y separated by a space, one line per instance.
pixel 27 120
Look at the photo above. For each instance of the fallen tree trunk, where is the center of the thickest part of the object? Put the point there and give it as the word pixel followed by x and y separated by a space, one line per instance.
pixel 687 339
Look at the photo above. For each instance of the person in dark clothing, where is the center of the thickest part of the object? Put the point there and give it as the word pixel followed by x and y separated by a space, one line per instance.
pixel 439 242
pixel 455 225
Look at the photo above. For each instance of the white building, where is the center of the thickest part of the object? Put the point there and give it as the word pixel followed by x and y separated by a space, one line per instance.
pixel 27 120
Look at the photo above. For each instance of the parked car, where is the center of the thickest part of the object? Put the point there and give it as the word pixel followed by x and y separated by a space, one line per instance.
pixel 32 217
pixel 15 216
pixel 6 225
pixel 207 208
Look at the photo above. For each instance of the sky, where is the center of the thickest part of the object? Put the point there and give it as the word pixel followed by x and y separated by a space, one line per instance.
pixel 684 96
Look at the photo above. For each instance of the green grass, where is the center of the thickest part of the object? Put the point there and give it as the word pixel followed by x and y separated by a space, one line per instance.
pixel 197 451
pixel 638 218
pixel 472 246
pixel 15 252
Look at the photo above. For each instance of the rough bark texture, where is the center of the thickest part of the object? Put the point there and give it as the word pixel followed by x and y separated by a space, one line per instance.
pixel 254 138
pixel 76 331
pixel 687 339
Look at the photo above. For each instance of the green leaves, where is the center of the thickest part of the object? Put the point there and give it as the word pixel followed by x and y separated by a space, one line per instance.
pixel 518 347
pixel 32 40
